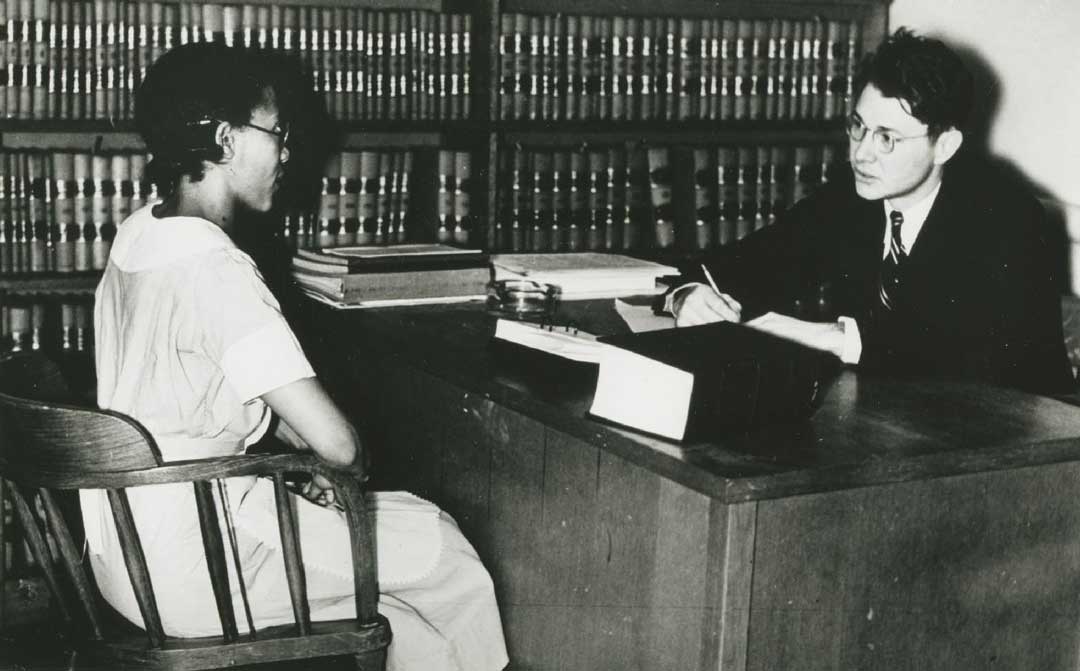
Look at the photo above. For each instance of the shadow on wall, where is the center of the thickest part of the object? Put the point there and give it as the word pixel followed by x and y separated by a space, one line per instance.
pixel 977 141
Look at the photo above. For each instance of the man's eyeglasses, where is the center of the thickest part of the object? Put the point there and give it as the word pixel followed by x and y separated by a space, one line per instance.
pixel 884 140
pixel 280 132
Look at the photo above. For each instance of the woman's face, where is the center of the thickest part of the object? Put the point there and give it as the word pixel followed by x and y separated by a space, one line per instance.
pixel 260 158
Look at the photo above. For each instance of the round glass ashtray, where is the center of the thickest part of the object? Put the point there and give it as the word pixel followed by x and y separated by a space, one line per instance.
pixel 519 297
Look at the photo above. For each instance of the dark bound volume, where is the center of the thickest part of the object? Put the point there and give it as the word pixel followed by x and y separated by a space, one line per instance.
pixel 693 383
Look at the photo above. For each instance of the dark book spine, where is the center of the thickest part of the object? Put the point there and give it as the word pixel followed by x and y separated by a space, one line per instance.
pixel 596 200
pixel 727 194
pixel 533 65
pixel 660 185
pixel 463 186
pixel 84 218
pixel 572 238
pixel 445 196
pixel 704 208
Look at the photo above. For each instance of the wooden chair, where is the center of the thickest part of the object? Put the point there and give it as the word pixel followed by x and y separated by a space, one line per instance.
pixel 48 448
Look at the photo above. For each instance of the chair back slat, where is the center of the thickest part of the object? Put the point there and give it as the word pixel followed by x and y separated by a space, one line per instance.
pixel 364 559
pixel 136 566
pixel 39 548
pixel 294 565
pixel 215 558
pixel 72 561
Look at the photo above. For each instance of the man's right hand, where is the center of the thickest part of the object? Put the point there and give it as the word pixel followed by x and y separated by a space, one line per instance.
pixel 702 305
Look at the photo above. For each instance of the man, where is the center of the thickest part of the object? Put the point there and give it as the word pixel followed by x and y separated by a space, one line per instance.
pixel 935 263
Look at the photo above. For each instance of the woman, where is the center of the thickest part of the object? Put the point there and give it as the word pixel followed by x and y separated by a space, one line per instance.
pixel 191 344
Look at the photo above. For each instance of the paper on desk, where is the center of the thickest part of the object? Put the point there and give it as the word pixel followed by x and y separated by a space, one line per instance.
pixel 560 341
pixel 642 318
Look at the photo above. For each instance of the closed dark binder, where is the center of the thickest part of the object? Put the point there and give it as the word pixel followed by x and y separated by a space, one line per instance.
pixel 698 382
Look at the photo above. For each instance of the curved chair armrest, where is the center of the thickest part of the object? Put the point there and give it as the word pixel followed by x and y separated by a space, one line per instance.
pixel 200 469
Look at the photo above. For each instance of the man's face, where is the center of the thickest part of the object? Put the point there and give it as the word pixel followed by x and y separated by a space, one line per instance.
pixel 907 173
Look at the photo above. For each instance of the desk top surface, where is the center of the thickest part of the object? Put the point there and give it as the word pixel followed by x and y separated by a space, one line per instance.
pixel 869 429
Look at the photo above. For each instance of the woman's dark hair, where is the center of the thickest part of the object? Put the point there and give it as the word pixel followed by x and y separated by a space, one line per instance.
pixel 199 82
pixel 923 72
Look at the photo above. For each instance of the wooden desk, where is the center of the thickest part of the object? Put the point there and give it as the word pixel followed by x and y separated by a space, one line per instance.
pixel 906 525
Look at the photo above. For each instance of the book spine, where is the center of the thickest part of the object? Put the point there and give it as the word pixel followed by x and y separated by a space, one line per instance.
pixel 572 238
pixel 5 37
pixel 571 68
pixel 596 231
pixel 621 79
pixel 533 65
pixel 384 213
pixel 671 68
pixel 5 214
pixel 759 69
pixel 728 83
pixel 38 203
pixel 727 194
pixel 587 98
pixel 463 186
pixel 329 204
pixel 102 203
pixel 349 186
pixel 660 183
pixel 401 235
pixel 602 74
pixel 445 196
pixel 519 202
pixel 83 205
pixel 704 210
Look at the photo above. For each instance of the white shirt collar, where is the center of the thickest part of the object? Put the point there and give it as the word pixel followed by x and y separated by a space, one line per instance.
pixel 144 242
pixel 914 218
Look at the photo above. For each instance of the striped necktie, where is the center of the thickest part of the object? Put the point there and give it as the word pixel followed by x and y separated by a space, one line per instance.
pixel 890 267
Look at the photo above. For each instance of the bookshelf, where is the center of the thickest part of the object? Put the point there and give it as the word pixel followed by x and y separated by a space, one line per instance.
pixel 555 109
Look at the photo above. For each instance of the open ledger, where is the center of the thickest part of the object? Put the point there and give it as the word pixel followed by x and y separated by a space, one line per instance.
pixel 689 383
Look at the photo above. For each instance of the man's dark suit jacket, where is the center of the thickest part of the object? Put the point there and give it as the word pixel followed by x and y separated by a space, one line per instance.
pixel 977 296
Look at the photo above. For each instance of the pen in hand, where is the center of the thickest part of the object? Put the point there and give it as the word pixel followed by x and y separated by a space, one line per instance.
pixel 712 282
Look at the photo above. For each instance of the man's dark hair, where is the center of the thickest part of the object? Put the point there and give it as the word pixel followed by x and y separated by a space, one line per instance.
pixel 923 72
pixel 198 82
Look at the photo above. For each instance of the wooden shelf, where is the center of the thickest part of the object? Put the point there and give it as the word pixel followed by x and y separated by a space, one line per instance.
pixel 688 8
pixel 89 136
pixel 670 132
pixel 81 284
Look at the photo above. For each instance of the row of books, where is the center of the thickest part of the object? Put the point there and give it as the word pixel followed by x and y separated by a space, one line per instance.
pixel 46 324
pixel 365 200
pixel 81 59
pixel 638 197
pixel 59 210
pixel 555 67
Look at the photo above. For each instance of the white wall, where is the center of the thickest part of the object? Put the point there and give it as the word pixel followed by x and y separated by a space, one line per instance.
pixel 1033 46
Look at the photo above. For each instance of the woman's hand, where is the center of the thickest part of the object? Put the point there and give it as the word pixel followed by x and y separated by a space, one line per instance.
pixel 319 491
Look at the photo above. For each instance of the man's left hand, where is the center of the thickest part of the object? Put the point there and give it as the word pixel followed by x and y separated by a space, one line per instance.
pixel 824 336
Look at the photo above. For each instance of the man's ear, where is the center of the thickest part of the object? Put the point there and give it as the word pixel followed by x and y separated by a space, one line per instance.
pixel 224 138
pixel 947 144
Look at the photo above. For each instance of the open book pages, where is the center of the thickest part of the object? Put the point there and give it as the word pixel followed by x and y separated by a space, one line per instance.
pixel 388 302
pixel 561 341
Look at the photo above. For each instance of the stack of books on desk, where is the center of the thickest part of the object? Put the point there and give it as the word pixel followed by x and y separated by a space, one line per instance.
pixel 584 275
pixel 392 275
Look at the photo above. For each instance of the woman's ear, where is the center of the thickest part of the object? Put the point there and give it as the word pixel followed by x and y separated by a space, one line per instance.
pixel 226 140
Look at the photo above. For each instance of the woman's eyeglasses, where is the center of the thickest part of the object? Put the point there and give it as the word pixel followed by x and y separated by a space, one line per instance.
pixel 280 132
pixel 884 140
